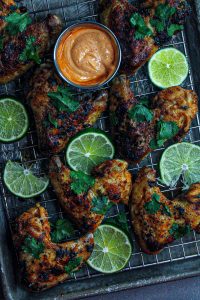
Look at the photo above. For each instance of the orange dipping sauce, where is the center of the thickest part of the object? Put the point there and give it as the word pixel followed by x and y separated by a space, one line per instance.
pixel 87 55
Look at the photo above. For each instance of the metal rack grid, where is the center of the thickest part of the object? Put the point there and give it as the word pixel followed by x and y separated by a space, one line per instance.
pixel 26 150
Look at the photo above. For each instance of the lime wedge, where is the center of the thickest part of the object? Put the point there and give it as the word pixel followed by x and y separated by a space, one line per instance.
pixel 112 249
pixel 21 182
pixel 168 67
pixel 180 160
pixel 13 120
pixel 88 149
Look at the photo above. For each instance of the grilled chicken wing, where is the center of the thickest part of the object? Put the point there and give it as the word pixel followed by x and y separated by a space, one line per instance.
pixel 111 180
pixel 136 52
pixel 49 268
pixel 45 34
pixel 53 139
pixel 174 104
pixel 156 225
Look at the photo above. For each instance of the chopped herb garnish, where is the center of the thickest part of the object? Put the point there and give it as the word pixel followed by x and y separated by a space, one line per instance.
pixel 64 100
pixel 141 29
pixel 178 231
pixel 72 265
pixel 100 205
pixel 140 113
pixel 61 230
pixel 173 28
pixel 17 22
pixel 81 182
pixel 120 220
pixel 52 121
pixel 113 118
pixel 33 247
pixel 30 51
pixel 1 42
pixel 155 205
pixel 165 131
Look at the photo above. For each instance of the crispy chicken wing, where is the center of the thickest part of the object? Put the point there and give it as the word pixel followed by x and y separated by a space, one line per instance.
pixel 44 33
pixel 156 220
pixel 48 269
pixel 50 138
pixel 136 52
pixel 111 180
pixel 174 104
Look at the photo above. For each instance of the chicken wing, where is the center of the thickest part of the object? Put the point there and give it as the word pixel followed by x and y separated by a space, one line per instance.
pixel 136 52
pixel 50 266
pixel 156 220
pixel 174 104
pixel 112 180
pixel 43 35
pixel 50 138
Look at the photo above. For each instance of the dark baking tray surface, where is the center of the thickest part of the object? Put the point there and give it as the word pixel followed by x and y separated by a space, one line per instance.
pixel 178 260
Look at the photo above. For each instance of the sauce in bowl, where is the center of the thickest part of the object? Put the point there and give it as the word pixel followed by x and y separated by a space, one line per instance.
pixel 87 55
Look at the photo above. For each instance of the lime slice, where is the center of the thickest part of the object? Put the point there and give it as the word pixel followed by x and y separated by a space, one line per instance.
pixel 168 67
pixel 21 182
pixel 112 249
pixel 88 149
pixel 13 120
pixel 180 160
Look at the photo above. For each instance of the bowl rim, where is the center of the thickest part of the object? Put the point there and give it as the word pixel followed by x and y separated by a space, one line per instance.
pixel 84 87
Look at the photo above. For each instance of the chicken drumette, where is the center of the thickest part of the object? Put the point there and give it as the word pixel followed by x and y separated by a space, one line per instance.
pixel 112 182
pixel 134 137
pixel 43 263
pixel 156 220
pixel 150 28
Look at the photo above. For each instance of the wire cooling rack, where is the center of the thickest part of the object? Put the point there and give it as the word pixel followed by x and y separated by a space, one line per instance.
pixel 27 151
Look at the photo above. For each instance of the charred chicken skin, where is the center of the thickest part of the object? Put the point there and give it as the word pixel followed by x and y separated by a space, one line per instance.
pixel 112 180
pixel 137 50
pixel 156 220
pixel 174 104
pixel 39 36
pixel 50 266
pixel 50 138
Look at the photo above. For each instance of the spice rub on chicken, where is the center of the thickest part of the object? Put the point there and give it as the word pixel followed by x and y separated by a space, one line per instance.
pixel 85 199
pixel 156 220
pixel 143 125
pixel 23 43
pixel 58 114
pixel 143 27
pixel 43 263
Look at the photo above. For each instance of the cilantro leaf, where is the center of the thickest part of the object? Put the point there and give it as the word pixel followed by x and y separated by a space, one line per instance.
pixel 1 42
pixel 153 206
pixel 100 205
pixel 63 100
pixel 158 25
pixel 120 220
pixel 173 28
pixel 61 230
pixel 140 113
pixel 72 265
pixel 166 210
pixel 165 11
pixel 52 121
pixel 81 182
pixel 17 22
pixel 30 51
pixel 178 231
pixel 33 247
pixel 141 29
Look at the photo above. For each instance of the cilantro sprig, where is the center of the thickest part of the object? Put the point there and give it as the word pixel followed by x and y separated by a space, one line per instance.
pixel 31 51
pixel 153 206
pixel 140 113
pixel 72 265
pixel 120 221
pixel 64 100
pixel 81 182
pixel 178 231
pixel 100 205
pixel 61 230
pixel 33 247
pixel 165 131
pixel 17 22
pixel 141 29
